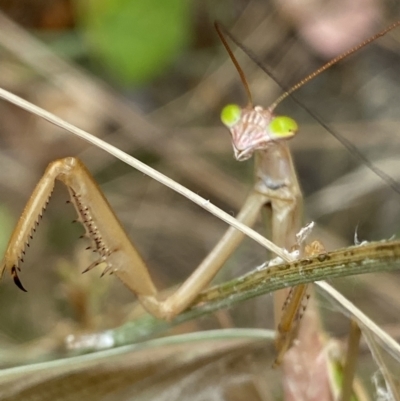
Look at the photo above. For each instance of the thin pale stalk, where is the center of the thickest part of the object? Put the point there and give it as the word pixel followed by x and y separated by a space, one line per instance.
pixel 145 169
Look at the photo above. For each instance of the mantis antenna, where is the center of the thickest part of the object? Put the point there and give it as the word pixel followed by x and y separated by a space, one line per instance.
pixel 332 62
pixel 219 28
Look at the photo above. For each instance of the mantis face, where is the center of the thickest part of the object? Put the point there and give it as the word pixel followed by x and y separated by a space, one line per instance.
pixel 255 129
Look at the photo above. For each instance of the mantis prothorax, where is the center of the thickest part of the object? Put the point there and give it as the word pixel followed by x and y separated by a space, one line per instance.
pixel 254 131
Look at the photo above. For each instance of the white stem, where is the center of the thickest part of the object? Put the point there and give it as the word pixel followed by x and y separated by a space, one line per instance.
pixel 130 160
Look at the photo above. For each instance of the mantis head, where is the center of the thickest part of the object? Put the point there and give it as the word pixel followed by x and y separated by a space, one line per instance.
pixel 255 129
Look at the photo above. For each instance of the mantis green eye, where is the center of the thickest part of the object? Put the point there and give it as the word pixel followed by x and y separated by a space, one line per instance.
pixel 282 127
pixel 230 114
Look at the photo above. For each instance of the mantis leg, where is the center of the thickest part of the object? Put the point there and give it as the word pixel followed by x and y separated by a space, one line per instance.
pixel 210 266
pixel 111 242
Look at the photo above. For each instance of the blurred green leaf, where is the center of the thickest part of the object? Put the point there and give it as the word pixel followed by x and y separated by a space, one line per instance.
pixel 135 39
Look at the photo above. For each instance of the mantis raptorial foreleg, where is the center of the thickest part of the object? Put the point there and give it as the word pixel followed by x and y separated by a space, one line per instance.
pixel 109 239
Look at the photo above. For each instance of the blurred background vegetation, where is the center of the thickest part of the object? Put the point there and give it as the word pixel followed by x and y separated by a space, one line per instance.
pixel 151 78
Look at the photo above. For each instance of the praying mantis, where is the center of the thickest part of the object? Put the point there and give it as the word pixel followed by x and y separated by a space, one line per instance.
pixel 276 185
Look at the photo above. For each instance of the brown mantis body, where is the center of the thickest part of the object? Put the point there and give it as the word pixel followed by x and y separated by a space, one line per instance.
pixel 275 185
